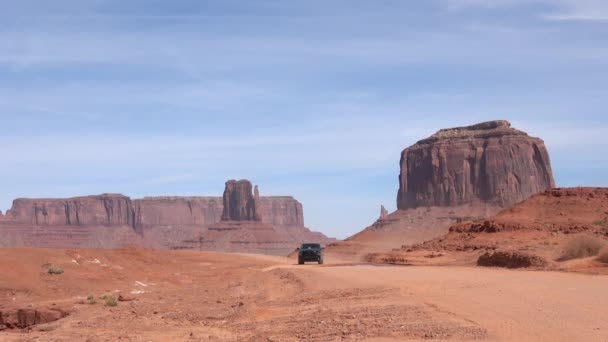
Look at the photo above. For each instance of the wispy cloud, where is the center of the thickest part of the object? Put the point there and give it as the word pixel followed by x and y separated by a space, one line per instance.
pixel 314 99
pixel 554 10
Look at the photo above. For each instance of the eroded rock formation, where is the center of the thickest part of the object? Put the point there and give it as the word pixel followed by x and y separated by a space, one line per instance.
pixel 27 317
pixel 112 220
pixel 489 163
pixel 101 210
pixel 240 202
pixel 254 224
pixel 456 175
pixel 177 211
pixel 383 212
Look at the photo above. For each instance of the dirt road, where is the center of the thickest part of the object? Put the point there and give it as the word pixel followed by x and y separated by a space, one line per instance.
pixel 511 305
pixel 198 296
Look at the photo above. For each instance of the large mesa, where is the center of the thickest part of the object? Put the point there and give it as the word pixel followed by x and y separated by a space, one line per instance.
pixel 490 163
pixel 275 224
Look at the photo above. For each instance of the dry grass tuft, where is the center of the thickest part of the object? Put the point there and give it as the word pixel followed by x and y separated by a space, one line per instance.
pixel 581 247
pixel 111 300
pixel 603 256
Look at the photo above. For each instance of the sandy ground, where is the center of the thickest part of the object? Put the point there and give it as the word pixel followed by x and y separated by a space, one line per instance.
pixel 203 296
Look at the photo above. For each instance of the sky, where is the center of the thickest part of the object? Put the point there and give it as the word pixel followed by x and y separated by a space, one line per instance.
pixel 313 98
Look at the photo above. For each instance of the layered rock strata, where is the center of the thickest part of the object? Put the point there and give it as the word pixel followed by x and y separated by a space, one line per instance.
pixel 112 220
pixel 490 162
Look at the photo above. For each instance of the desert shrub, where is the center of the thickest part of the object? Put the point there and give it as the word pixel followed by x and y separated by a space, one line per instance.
pixel 111 300
pixel 91 299
pixel 55 270
pixel 510 259
pixel 581 247
pixel 603 256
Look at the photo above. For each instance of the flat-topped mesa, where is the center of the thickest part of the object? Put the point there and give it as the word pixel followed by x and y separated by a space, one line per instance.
pixel 249 222
pixel 171 211
pixel 484 130
pixel 105 209
pixel 490 162
pixel 240 202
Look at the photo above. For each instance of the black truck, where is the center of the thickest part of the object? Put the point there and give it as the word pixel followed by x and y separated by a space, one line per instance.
pixel 310 252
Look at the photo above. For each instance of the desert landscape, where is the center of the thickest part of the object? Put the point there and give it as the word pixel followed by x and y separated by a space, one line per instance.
pixel 313 170
pixel 483 246
pixel 208 296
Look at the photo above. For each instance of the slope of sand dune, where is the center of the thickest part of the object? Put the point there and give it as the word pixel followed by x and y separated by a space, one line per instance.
pixel 194 296
pixel 544 228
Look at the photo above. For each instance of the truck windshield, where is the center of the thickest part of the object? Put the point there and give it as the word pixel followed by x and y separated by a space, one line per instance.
pixel 311 246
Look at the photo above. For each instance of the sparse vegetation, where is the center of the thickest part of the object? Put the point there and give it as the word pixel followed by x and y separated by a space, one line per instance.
pixel 581 247
pixel 55 270
pixel 111 300
pixel 603 256
pixel 602 222
pixel 91 299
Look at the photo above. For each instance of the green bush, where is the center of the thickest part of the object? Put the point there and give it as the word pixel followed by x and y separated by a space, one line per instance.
pixel 55 270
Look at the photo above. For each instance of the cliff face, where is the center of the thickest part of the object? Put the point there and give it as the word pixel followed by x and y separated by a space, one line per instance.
pixel 281 211
pixel 240 202
pixel 490 163
pixel 111 220
pixel 254 224
pixel 101 210
pixel 116 210
pixel 177 211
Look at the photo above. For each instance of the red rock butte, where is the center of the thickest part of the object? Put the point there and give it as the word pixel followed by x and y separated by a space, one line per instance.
pixel 490 162
pixel 457 174
pixel 114 220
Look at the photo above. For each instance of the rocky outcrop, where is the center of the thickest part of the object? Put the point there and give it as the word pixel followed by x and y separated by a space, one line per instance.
pixel 383 212
pixel 101 210
pixel 177 211
pixel 112 220
pixel 254 224
pixel 510 259
pixel 281 211
pixel 240 202
pixel 27 317
pixel 490 163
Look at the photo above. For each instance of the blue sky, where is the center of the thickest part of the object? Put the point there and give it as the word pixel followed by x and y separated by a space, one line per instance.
pixel 314 99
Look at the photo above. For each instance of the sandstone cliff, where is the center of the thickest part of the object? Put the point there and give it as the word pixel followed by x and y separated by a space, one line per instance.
pixel 254 224
pixel 458 174
pixel 240 202
pixel 112 220
pixel 177 211
pixel 101 210
pixel 281 211
pixel 489 163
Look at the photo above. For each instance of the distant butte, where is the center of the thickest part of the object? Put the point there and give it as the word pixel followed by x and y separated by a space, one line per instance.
pixel 490 162
pixel 169 222
pixel 457 174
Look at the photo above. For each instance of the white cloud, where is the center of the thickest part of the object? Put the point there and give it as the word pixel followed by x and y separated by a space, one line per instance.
pixel 555 10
